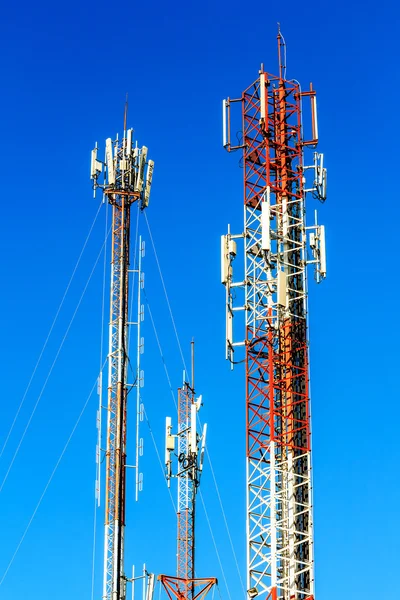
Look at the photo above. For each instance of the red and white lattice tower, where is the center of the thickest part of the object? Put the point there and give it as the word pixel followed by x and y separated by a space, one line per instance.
pixel 272 294
pixel 190 453
pixel 125 178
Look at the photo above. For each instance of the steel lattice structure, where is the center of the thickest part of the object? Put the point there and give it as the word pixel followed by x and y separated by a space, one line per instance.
pixel 279 487
pixel 185 586
pixel 127 180
pixel 187 483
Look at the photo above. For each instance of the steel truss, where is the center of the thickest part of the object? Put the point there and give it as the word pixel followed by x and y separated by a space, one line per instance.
pixel 125 178
pixel 279 522
pixel 279 487
pixel 185 586
pixel 187 483
pixel 117 399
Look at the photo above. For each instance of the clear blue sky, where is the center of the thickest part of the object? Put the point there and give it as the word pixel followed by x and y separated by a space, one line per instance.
pixel 65 70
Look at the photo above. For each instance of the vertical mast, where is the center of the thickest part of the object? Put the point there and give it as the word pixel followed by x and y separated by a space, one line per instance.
pixel 279 509
pixel 125 178
pixel 187 483
pixel 190 454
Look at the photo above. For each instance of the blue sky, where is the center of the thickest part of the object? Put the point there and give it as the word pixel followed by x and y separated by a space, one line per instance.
pixel 65 71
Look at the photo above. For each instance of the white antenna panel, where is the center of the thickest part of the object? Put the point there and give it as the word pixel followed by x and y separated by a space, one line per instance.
pixel 169 439
pixel 110 162
pixel 96 166
pixel 224 137
pixel 193 429
pixel 262 97
pixel 93 161
pixel 129 142
pixel 315 117
pixel 224 260
pixel 149 179
pixel 282 288
pixel 265 225
pixel 320 168
pixel 324 184
pixel 203 446
pixel 142 163
pixel 322 250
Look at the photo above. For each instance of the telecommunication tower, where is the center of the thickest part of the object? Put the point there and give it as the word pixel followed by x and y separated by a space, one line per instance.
pixel 272 295
pixel 190 455
pixel 125 178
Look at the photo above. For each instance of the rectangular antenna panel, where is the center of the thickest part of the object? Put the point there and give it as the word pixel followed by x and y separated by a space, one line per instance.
pixel 282 288
pixel 96 166
pixel 193 428
pixel 142 164
pixel 93 163
pixel 149 179
pixel 224 135
pixel 224 260
pixel 265 224
pixel 320 168
pixel 203 446
pixel 169 440
pixel 262 97
pixel 322 250
pixel 324 184
pixel 110 162
pixel 314 117
pixel 229 326
pixel 129 142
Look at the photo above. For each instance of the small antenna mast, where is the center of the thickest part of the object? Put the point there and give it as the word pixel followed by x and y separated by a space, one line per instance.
pixel 126 111
pixel 192 352
pixel 281 53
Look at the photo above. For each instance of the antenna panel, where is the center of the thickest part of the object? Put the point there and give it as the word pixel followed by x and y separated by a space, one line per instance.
pixel 262 98
pixel 224 135
pixel 314 117
pixel 149 179
pixel 224 260
pixel 322 251
pixel 110 162
pixel 282 288
pixel 142 164
pixel 129 142
pixel 203 446
pixel 265 224
pixel 193 428
pixel 324 184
